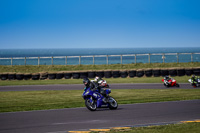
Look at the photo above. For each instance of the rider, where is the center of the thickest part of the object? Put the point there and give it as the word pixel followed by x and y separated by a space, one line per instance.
pixel 166 79
pixel 97 79
pixel 95 86
pixel 194 79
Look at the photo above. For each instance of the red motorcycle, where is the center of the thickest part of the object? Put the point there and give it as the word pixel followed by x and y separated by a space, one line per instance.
pixel 170 82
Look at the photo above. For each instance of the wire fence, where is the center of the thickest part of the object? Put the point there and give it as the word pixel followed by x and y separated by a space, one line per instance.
pixel 103 59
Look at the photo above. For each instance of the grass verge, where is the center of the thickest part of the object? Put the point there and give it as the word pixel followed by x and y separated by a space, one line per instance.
pixel 43 100
pixel 182 79
pixel 55 68
pixel 193 127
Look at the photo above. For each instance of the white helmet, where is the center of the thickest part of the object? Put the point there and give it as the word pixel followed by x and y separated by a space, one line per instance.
pixel 96 78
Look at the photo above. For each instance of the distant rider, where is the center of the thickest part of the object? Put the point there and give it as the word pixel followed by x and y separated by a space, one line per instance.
pixel 166 80
pixel 194 79
pixel 95 86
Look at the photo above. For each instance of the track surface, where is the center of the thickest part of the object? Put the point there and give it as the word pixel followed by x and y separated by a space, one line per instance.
pixel 64 120
pixel 81 86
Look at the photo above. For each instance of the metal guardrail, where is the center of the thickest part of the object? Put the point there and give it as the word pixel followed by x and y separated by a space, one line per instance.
pixel 163 55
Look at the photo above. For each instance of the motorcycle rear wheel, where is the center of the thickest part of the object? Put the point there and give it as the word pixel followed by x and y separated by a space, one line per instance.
pixel 90 106
pixel 112 103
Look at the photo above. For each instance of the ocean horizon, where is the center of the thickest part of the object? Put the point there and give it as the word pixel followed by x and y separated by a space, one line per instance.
pixel 13 53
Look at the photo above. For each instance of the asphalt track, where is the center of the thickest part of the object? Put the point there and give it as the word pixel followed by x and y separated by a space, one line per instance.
pixel 81 86
pixel 64 120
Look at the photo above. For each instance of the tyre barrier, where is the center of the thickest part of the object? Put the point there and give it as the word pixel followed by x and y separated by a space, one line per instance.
pixel 59 75
pixel 51 75
pixel 156 72
pixel 100 74
pixel 43 75
pixel 4 76
pixel 115 74
pixel 164 72
pixel 75 75
pixel 19 76
pixel 181 72
pixel 107 73
pixel 132 73
pixel 123 74
pixel 83 75
pixel 11 76
pixel 91 74
pixel 67 75
pixel 173 72
pixel 27 76
pixel 148 72
pixel 35 76
pixel 196 71
pixel 140 73
pixel 188 71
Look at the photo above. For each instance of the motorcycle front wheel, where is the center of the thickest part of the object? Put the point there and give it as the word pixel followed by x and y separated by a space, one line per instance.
pixel 112 103
pixel 91 106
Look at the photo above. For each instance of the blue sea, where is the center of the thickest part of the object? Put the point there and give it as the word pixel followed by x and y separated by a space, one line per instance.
pixel 125 59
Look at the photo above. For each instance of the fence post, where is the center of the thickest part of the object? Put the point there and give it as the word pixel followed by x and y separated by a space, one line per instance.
pixel 107 59
pixel 121 59
pixel 177 55
pixel 191 57
pixel 52 60
pixel 25 61
pixel 38 61
pixel 135 59
pixel 79 60
pixel 93 59
pixel 65 60
pixel 163 57
pixel 11 61
pixel 149 58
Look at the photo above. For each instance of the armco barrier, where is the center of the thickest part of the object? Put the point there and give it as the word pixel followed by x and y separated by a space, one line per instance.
pixel 103 74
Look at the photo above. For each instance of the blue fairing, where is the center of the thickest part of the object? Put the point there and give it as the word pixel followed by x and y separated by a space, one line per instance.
pixel 88 93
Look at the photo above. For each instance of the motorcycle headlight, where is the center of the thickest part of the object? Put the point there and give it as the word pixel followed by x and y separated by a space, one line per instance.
pixel 87 92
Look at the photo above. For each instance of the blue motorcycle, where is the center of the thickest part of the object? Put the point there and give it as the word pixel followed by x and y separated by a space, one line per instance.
pixel 94 99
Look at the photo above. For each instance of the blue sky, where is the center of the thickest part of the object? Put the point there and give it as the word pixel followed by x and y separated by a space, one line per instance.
pixel 99 23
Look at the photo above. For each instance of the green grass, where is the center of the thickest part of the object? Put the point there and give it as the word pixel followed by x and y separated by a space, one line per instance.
pixel 193 127
pixel 55 68
pixel 182 79
pixel 43 100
